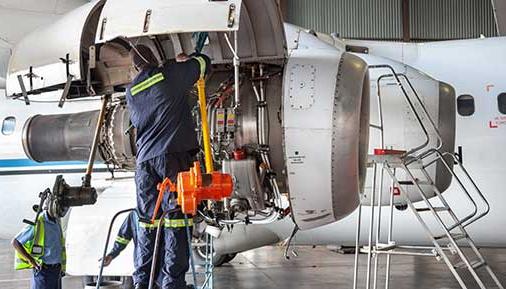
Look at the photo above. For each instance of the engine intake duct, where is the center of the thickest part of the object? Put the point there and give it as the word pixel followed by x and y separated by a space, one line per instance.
pixel 60 137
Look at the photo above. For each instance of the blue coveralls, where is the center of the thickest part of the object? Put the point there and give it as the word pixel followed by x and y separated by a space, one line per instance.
pixel 166 143
pixel 49 277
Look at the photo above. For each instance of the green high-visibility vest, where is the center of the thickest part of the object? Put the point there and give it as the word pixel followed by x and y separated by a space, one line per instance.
pixel 20 263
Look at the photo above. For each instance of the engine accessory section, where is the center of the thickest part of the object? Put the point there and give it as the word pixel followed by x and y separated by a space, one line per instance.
pixel 246 182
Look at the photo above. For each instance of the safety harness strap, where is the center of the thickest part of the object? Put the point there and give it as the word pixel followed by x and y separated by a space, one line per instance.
pixel 147 83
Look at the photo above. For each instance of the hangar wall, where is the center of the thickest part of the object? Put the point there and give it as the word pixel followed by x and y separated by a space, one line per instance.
pixel 383 19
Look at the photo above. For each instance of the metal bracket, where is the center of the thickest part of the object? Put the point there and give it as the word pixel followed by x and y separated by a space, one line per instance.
pixel 92 64
pixel 31 76
pixel 23 89
pixel 147 20
pixel 102 28
pixel 231 15
pixel 66 90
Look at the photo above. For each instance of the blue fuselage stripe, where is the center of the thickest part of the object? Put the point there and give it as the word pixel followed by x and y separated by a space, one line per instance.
pixel 16 163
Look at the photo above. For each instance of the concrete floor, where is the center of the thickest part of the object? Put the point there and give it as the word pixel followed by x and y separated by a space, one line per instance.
pixel 315 268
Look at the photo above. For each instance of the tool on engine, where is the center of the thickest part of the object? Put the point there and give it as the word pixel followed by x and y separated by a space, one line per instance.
pixel 193 187
pixel 62 198
pixel 201 87
pixel 96 140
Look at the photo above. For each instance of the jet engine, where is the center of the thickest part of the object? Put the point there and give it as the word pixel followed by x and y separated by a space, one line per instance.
pixel 288 113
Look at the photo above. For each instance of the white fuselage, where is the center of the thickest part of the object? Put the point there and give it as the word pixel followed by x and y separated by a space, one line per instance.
pixel 474 67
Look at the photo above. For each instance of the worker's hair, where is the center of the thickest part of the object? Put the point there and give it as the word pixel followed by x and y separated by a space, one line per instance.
pixel 142 57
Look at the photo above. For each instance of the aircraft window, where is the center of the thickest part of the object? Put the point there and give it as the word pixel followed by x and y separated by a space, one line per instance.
pixel 465 105
pixel 501 102
pixel 8 125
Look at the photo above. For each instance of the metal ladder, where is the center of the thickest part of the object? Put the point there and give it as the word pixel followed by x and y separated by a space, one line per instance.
pixel 449 237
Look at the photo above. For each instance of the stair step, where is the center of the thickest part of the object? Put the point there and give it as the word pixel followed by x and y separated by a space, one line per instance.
pixel 455 236
pixel 476 264
pixel 394 161
pixel 385 247
pixel 437 209
pixel 420 183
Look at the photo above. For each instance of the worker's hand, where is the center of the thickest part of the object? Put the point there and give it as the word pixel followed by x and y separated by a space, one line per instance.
pixel 107 260
pixel 182 57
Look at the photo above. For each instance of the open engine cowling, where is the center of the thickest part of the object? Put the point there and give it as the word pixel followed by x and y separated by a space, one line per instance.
pixel 300 115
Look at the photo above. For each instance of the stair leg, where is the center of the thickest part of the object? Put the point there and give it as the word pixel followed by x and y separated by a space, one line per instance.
pixel 429 233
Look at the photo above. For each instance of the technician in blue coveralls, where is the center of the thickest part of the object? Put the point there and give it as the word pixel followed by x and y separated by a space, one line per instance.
pixel 128 231
pixel 166 144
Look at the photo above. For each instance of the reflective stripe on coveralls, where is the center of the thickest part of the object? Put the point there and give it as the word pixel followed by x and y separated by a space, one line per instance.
pixel 122 240
pixel 168 223
pixel 147 83
pixel 20 263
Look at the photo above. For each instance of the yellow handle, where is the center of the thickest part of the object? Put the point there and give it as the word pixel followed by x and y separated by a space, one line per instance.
pixel 201 86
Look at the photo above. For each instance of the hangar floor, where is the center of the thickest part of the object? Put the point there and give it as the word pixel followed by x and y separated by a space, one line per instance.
pixel 313 268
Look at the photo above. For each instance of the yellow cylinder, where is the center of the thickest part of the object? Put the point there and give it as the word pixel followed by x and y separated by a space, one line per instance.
pixel 201 87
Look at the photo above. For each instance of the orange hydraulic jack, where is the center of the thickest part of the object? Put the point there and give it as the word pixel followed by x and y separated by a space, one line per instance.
pixel 194 186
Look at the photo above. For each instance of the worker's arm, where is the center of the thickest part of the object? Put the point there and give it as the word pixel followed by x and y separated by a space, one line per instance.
pixel 188 70
pixel 23 237
pixel 124 236
pixel 21 250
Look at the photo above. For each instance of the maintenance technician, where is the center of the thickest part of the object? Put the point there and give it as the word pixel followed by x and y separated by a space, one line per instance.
pixel 166 144
pixel 128 231
pixel 41 247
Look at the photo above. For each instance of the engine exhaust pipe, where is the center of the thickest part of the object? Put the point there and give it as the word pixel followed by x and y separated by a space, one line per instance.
pixel 60 137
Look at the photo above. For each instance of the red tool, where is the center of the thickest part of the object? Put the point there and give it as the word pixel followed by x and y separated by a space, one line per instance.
pixel 194 187
pixel 162 188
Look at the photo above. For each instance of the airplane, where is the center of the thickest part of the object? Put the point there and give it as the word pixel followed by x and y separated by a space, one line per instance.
pixel 314 182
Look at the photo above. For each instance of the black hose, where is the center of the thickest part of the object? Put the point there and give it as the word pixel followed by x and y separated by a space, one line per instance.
pixel 99 278
pixel 157 244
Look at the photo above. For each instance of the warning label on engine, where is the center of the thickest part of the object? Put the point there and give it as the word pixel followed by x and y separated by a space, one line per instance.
pixel 296 159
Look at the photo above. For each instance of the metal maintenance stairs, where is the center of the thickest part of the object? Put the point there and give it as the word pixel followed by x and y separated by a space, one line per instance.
pixel 447 231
